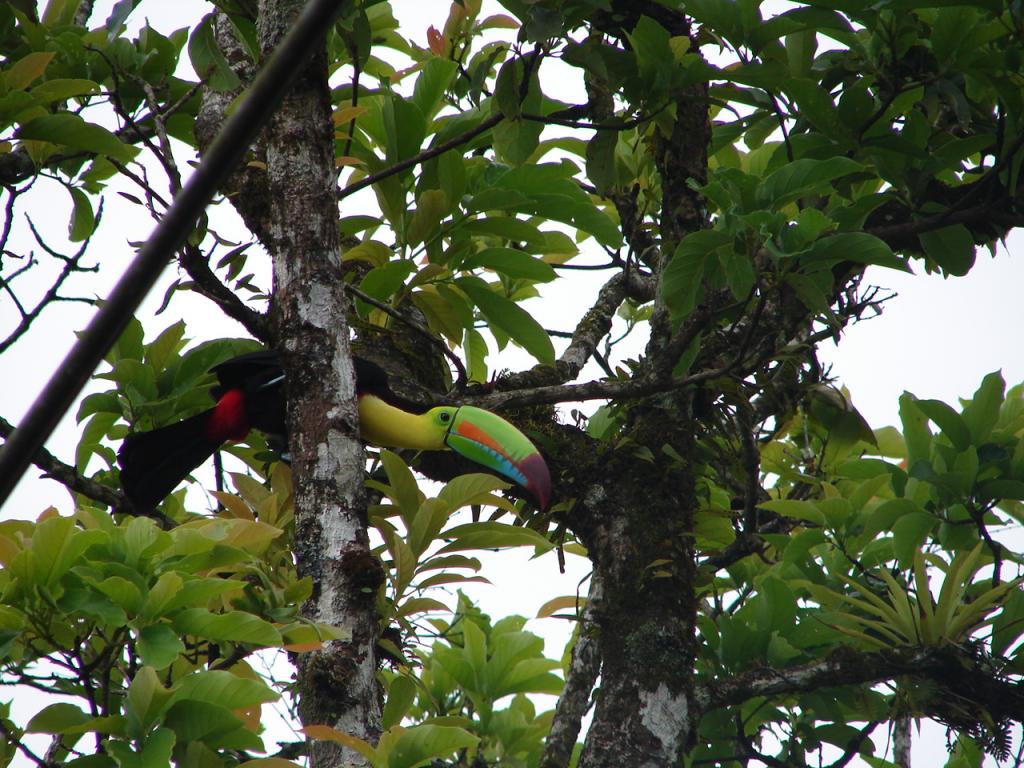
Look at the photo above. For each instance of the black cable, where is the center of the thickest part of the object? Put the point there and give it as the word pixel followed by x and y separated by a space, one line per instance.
pixel 238 132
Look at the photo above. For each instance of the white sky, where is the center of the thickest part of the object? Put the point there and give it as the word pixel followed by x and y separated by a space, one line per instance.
pixel 937 339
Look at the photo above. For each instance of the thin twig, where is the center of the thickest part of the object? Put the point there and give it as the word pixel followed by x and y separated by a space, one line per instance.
pixel 463 377
pixel 422 157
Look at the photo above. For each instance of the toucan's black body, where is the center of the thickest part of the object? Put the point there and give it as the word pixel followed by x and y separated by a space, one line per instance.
pixel 250 395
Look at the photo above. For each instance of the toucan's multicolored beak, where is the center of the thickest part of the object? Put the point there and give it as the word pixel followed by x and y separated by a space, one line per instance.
pixel 489 440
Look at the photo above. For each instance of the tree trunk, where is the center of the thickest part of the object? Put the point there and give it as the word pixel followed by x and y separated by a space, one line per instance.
pixel 337 685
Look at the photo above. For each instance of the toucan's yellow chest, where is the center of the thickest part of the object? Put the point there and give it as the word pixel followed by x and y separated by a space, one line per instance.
pixel 389 427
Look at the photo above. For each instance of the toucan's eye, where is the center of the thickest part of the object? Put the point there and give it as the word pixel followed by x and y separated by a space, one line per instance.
pixel 445 417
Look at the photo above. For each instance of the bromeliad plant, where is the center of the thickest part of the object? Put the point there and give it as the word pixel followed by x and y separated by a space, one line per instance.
pixel 913 617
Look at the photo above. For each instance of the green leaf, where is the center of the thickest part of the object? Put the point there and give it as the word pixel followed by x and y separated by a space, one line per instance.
pixel 469 489
pixel 803 177
pixel 156 751
pixel 385 281
pixel 207 59
pixel 19 75
pixel 224 689
pixel 515 141
pixel 401 695
pixel 858 247
pixel 739 272
pixel 982 413
pixel 146 701
pixel 232 626
pixel 212 724
pixel 1001 488
pixel 508 228
pixel 809 291
pixel 404 490
pixel 508 87
pixel 57 545
pixel 915 430
pixel 431 206
pixel 71 131
pixel 159 645
pixel 511 262
pixel 62 89
pixel 799 510
pixel 493 535
pixel 909 533
pixel 949 421
pixel 420 744
pixel 681 282
pixel 431 84
pixel 952 248
pixel 816 105
pixel 510 318
pixel 57 718
pixel 601 160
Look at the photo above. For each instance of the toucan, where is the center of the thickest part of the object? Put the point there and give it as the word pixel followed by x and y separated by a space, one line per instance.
pixel 250 394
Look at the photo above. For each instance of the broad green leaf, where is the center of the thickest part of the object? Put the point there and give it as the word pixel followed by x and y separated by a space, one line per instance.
pixel 510 318
pixel 858 247
pixel 431 206
pixel 1001 488
pixel 802 177
pixel 404 490
pixel 511 262
pixel 57 545
pixel 156 750
pixel 816 105
pixel 909 532
pixel 370 251
pixel 800 510
pixel 416 746
pixel 949 421
pixel 57 718
pixel 232 626
pixel 915 430
pixel 681 281
pixel 71 131
pixel 508 87
pixel 476 355
pixel 469 489
pixel 224 689
pixel 24 71
pixel 982 413
pixel 207 59
pixel 493 535
pixel 62 89
pixel 147 699
pixel 159 645
pixel 952 248
pixel 213 724
pixel 516 140
pixel 385 281
pixel 601 160
pixel 514 230
pixel 434 79
pixel 401 695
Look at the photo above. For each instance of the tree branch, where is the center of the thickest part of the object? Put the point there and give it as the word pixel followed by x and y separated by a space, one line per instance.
pixel 209 285
pixel 422 157
pixel 69 477
pixel 574 702
pixel 956 672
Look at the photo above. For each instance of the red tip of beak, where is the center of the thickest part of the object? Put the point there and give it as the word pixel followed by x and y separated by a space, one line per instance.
pixel 538 479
